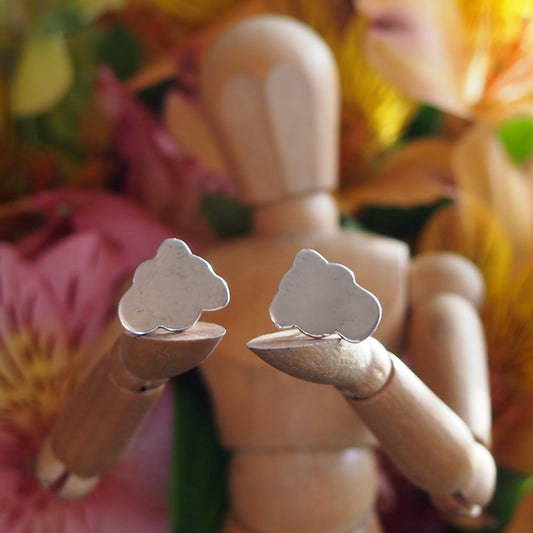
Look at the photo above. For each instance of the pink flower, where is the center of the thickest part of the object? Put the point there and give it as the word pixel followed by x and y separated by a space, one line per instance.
pixel 56 318
pixel 158 173
pixel 35 223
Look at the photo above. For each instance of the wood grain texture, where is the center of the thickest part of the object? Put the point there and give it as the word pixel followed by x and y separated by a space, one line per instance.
pixel 99 423
pixel 108 408
pixel 360 370
pixel 470 501
pixel 424 438
pixel 270 86
pixel 163 354
pixel 257 406
pixel 371 525
pixel 284 169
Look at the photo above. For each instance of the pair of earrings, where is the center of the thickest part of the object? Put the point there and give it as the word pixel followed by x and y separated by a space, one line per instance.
pixel 319 298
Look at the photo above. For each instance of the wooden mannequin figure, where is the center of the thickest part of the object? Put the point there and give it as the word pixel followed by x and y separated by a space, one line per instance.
pixel 303 461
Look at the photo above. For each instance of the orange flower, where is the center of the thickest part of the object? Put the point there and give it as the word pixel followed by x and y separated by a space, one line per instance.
pixel 476 166
pixel 472 58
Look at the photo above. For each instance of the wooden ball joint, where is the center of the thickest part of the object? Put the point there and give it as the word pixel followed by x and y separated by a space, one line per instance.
pixel 302 459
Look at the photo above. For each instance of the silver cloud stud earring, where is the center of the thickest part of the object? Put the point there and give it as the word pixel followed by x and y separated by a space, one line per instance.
pixel 321 298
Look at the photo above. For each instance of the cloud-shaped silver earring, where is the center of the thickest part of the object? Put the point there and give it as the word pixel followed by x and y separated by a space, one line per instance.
pixel 171 291
pixel 321 298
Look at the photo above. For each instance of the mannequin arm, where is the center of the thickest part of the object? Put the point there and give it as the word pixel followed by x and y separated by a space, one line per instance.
pixel 107 409
pixel 426 440
pixel 446 343
pixel 446 340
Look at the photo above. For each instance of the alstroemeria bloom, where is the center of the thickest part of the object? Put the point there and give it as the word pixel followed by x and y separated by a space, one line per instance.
pixel 471 58
pixel 56 312
pixel 158 174
pixel 475 166
pixel 483 169
pixel 37 222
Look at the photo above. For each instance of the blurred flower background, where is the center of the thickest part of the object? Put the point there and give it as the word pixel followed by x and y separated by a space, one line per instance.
pixel 105 151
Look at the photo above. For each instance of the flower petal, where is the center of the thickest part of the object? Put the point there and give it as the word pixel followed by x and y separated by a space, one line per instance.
pixel 469 228
pixel 511 93
pixel 136 233
pixel 87 274
pixel 133 496
pixel 34 358
pixel 418 173
pixel 188 126
pixel 86 245
pixel 159 175
pixel 419 47
pixel 483 169
pixel 50 216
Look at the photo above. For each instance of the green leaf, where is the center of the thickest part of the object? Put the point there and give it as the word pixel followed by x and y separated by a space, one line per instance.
pixel 425 123
pixel 121 51
pixel 95 8
pixel 198 486
pixel 398 222
pixel 227 217
pixel 350 223
pixel 511 486
pixel 62 20
pixel 516 134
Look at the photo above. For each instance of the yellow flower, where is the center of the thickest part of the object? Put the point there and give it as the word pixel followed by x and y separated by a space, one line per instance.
pixel 509 330
pixel 470 228
pixel 417 173
pixel 483 170
pixel 374 113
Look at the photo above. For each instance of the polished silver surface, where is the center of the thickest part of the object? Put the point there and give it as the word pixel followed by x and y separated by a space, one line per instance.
pixel 171 291
pixel 321 298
